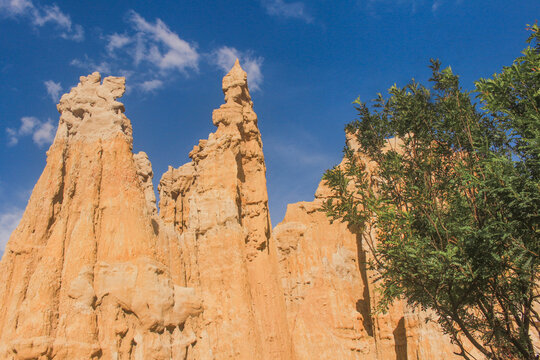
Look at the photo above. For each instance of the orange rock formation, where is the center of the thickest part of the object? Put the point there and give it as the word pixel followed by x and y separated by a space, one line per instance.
pixel 86 274
pixel 330 293
pixel 218 203
pixel 94 272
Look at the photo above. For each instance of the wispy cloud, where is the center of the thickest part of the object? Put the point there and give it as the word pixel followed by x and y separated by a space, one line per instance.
pixel 53 89
pixel 147 52
pixel 414 5
pixel 151 55
pixel 42 132
pixel 28 123
pixel 151 85
pixel 14 8
pixel 117 41
pixel 157 44
pixel 280 8
pixel 41 15
pixel 9 219
pixel 90 65
pixel 225 57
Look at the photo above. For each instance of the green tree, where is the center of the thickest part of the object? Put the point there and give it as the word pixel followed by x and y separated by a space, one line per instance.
pixel 456 208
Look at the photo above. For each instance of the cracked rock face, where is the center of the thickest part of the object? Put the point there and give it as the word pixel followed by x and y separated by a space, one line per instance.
pixel 86 274
pixel 94 271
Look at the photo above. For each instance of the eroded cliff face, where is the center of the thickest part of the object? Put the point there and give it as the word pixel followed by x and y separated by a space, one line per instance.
pixel 330 293
pixel 94 272
pixel 86 274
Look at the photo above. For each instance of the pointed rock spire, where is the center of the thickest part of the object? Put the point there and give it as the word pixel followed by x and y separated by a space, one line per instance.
pixel 219 204
pixel 235 85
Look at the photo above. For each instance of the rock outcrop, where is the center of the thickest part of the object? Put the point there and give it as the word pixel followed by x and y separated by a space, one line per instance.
pixel 86 274
pixel 94 271
pixel 218 203
pixel 330 293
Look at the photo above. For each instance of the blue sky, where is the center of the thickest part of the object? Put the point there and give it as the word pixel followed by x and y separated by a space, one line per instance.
pixel 306 63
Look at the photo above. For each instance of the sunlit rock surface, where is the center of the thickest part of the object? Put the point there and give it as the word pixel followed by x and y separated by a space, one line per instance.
pixel 94 271
pixel 218 203
pixel 86 273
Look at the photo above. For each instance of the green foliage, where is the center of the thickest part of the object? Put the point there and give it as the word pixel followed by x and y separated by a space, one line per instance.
pixel 456 208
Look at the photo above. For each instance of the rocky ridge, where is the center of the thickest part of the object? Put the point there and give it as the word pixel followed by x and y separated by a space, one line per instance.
pixel 94 272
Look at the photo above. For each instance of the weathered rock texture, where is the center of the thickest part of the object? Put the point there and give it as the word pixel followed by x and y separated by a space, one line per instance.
pixel 330 293
pixel 219 205
pixel 86 274
pixel 94 272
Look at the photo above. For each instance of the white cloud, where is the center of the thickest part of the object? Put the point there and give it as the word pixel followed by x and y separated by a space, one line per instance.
pixel 51 14
pixel 287 10
pixel 117 41
pixel 28 123
pixel 151 85
pixel 9 220
pixel 145 50
pixel 12 135
pixel 53 89
pixel 40 15
pixel 77 34
pixel 42 131
pixel 226 56
pixel 89 65
pixel 253 69
pixel 160 46
pixel 151 54
pixel 14 8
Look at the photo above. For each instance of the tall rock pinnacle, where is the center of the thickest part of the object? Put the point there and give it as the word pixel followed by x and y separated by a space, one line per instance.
pixel 86 274
pixel 219 204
